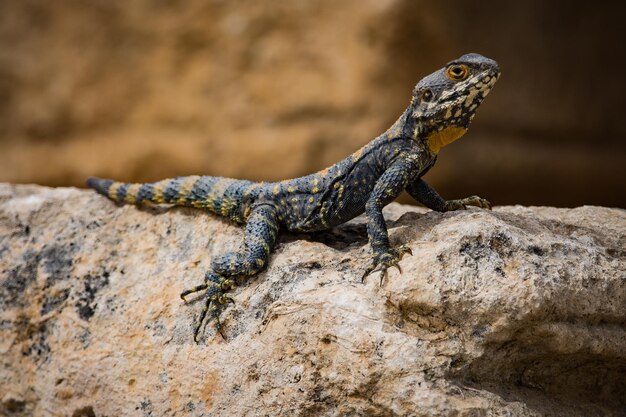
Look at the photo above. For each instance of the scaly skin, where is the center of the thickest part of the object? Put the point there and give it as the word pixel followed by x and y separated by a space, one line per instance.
pixel 443 105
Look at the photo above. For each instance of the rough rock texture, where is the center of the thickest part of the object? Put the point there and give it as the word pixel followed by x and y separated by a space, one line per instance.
pixel 518 311
pixel 160 88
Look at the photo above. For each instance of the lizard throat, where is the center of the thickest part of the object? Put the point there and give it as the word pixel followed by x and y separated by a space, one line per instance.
pixel 438 140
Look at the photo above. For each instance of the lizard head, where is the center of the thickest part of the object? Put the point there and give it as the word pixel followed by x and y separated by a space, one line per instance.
pixel 445 102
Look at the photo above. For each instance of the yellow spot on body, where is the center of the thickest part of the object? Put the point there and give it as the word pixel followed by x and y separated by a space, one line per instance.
pixel 316 181
pixel 438 140
pixel 252 187
pixel 276 189
pixel 311 199
pixel 113 190
pixel 395 130
pixel 185 189
pixel 290 189
pixel 259 262
pixel 323 215
pixel 314 190
pixel 131 193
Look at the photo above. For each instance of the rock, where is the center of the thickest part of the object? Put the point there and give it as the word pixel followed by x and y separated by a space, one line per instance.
pixel 519 311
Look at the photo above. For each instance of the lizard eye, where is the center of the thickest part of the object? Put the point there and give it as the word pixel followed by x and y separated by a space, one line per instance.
pixel 457 72
pixel 426 96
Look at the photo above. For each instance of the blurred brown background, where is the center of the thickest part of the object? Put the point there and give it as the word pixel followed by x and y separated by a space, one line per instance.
pixel 145 89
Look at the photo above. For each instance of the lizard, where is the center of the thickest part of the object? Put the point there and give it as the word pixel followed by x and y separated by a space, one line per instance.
pixel 441 108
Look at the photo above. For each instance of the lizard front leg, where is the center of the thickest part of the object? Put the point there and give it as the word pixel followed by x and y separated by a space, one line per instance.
pixel 387 188
pixel 425 194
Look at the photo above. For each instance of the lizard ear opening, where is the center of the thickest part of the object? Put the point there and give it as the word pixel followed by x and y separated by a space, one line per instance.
pixel 426 95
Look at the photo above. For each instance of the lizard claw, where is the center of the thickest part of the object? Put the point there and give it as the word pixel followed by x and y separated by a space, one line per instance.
pixel 195 289
pixel 223 299
pixel 215 300
pixel 383 274
pixel 368 271
pixel 387 260
pixel 218 327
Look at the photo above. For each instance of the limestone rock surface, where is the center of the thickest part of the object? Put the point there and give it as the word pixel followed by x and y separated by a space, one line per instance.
pixel 519 311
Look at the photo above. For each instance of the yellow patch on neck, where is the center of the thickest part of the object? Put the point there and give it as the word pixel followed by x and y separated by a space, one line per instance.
pixel 438 140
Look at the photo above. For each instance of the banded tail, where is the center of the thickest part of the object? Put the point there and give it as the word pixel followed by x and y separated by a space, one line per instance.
pixel 219 195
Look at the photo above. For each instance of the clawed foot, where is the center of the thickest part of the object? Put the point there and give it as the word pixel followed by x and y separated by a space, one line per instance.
pixel 462 203
pixel 387 260
pixel 216 299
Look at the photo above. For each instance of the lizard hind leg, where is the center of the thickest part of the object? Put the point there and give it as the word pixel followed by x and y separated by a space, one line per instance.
pixel 259 237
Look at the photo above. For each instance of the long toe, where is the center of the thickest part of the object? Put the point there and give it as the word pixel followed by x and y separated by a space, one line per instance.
pixel 368 271
pixel 383 274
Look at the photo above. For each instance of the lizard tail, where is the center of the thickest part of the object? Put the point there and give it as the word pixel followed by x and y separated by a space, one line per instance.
pixel 219 195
